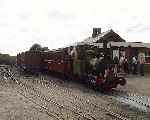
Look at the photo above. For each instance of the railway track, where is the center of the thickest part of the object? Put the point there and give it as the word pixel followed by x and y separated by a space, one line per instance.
pixel 131 97
pixel 36 94
pixel 96 106
pixel 140 100
pixel 117 114
pixel 23 88
pixel 4 82
pixel 100 107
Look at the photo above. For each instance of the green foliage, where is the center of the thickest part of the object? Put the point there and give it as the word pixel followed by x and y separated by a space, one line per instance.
pixel 7 59
pixel 38 47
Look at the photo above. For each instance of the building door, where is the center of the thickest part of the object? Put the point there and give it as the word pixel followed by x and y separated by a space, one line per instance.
pixel 134 52
pixel 115 53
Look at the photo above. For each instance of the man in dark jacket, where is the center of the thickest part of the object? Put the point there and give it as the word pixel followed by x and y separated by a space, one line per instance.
pixel 116 63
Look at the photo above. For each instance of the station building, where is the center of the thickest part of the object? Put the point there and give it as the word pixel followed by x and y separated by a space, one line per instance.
pixel 118 46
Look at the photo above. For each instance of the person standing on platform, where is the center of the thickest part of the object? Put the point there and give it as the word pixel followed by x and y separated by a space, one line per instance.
pixel 121 62
pixel 126 65
pixel 141 62
pixel 134 65
pixel 116 64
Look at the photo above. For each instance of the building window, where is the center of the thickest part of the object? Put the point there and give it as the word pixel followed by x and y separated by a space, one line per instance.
pixel 147 56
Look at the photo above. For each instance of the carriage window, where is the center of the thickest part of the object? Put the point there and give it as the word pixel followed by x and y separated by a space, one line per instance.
pixel 147 56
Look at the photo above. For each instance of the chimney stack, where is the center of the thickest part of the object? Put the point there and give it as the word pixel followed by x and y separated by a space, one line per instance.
pixel 99 30
pixel 96 31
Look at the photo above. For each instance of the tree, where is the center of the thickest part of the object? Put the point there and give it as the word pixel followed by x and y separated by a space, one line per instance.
pixel 45 49
pixel 36 47
pixel 7 59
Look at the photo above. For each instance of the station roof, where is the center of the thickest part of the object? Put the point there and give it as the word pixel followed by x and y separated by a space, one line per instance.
pixel 109 35
pixel 112 38
pixel 131 44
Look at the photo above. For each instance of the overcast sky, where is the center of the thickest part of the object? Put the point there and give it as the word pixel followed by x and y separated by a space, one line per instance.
pixel 56 23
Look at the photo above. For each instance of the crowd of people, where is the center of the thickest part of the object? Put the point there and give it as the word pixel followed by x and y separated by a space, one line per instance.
pixel 134 66
pixel 106 69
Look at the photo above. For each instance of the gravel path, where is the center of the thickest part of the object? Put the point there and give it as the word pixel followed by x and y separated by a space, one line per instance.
pixel 14 106
pixel 79 102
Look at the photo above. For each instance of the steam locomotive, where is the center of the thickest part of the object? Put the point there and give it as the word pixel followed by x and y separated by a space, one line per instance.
pixel 86 63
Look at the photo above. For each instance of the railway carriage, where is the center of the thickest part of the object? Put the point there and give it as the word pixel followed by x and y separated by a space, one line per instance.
pixel 59 62
pixel 30 61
